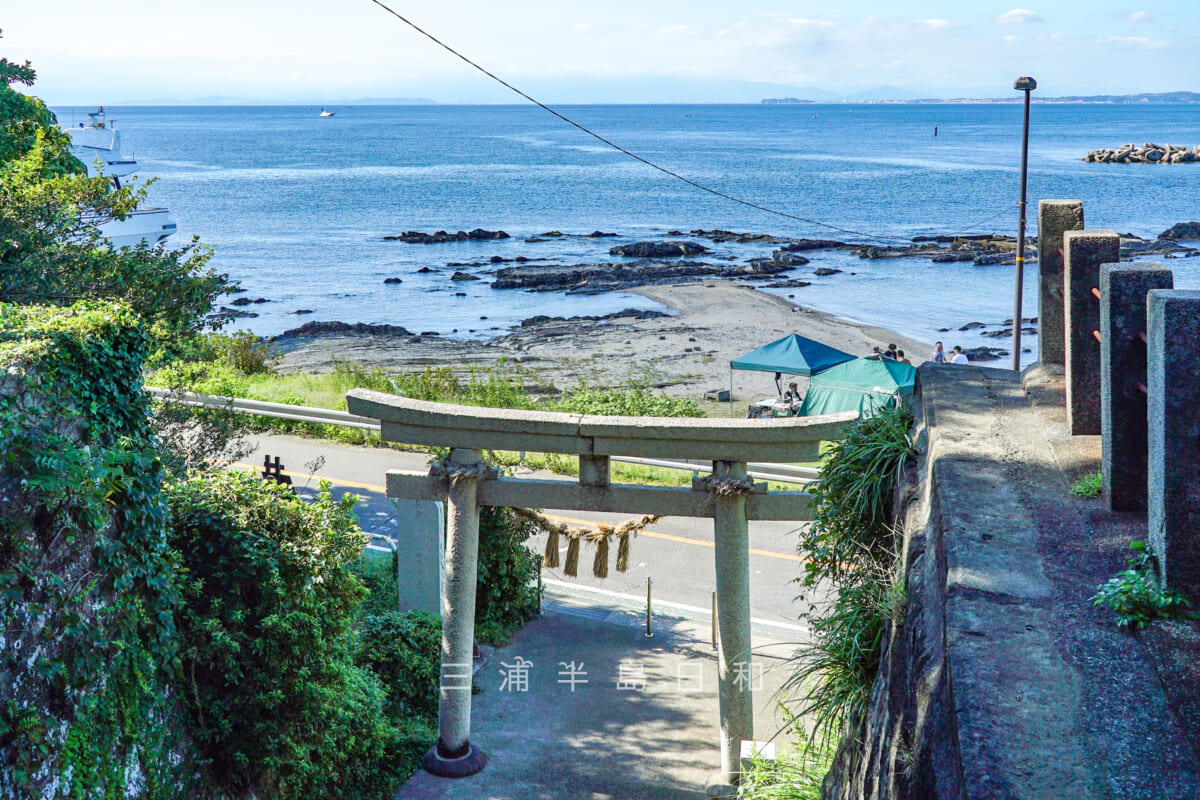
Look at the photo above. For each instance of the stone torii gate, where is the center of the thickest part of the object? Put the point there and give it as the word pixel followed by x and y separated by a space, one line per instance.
pixel 465 482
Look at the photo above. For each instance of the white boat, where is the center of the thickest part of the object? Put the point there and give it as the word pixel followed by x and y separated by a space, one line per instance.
pixel 97 143
pixel 325 113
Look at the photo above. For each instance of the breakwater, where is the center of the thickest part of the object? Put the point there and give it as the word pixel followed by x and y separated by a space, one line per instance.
pixel 1149 153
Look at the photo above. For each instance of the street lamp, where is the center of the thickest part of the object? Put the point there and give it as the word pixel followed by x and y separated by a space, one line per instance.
pixel 1026 85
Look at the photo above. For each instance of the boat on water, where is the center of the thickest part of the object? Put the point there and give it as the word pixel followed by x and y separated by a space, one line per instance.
pixel 325 113
pixel 97 143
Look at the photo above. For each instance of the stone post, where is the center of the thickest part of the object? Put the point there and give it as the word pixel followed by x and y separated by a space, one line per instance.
pixel 734 677
pixel 1174 437
pixel 420 557
pixel 1123 290
pixel 593 471
pixel 1055 217
pixel 1083 253
pixel 454 756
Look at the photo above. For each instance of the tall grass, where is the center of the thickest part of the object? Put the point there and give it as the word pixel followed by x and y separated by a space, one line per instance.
pixel 791 776
pixel 850 572
pixel 238 366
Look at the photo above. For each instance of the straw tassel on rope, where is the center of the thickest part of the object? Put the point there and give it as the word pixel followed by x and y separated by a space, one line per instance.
pixel 623 552
pixel 551 555
pixel 600 536
pixel 600 561
pixel 571 565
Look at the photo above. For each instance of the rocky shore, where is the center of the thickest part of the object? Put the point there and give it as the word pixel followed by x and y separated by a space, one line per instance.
pixel 674 259
pixel 612 276
pixel 685 352
pixel 1149 153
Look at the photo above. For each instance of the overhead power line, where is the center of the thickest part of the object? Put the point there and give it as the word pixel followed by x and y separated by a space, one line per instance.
pixel 618 147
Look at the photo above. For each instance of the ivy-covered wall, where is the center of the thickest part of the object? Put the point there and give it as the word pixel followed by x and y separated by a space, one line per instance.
pixel 87 632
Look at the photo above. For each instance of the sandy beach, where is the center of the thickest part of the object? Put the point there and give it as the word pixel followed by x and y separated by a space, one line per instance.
pixel 683 354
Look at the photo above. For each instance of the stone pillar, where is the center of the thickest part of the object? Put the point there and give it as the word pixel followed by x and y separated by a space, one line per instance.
pixel 1083 253
pixel 1123 290
pixel 1055 217
pixel 1174 437
pixel 420 561
pixel 734 676
pixel 454 756
pixel 594 471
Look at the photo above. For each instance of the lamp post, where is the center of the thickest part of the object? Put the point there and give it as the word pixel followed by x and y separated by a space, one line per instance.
pixel 1026 85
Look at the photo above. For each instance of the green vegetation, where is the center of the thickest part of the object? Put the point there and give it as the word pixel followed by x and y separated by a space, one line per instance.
pixel 1090 485
pixel 506 595
pixel 404 650
pixel 851 549
pixel 791 776
pixel 170 630
pixel 1135 595
pixel 86 574
pixel 269 667
pixel 239 366
pixel 637 401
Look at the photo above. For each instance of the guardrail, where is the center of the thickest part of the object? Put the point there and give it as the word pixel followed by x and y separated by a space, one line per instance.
pixel 779 473
pixel 242 405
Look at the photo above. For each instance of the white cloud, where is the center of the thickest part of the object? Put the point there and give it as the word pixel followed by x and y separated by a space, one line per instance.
pixel 1140 16
pixel 934 23
pixel 1133 41
pixel 1019 16
pixel 802 22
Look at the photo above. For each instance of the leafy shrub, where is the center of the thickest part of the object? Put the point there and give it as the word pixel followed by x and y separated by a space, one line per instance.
pixel 274 699
pixel 87 637
pixel 635 402
pixel 1090 485
pixel 851 546
pixel 247 353
pixel 404 649
pixel 1135 595
pixel 377 571
pixel 507 594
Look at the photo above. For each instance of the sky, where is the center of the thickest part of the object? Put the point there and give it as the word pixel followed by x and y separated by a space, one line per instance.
pixel 567 51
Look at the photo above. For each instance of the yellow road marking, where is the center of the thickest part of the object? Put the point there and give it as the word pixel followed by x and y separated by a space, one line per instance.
pixel 572 520
pixel 339 481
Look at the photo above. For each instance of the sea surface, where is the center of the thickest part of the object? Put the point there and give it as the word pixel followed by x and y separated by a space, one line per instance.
pixel 296 206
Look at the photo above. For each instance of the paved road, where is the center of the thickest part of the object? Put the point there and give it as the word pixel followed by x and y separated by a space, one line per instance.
pixel 676 553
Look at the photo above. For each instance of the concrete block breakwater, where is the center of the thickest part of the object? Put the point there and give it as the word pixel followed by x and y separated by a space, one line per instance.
pixel 1148 153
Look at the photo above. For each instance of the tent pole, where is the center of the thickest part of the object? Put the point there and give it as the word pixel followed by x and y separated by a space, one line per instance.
pixel 731 391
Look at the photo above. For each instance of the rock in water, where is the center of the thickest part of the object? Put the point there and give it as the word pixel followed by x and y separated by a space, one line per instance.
pixel 1182 231
pixel 341 328
pixel 667 249
pixel 418 237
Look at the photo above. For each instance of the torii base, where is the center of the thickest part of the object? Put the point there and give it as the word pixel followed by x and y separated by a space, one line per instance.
pixel 469 763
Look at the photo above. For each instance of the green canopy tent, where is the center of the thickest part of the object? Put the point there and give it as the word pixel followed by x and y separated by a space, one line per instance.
pixel 859 385
pixel 792 354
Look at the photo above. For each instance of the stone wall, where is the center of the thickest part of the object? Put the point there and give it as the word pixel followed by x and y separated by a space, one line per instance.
pixel 1001 679
pixel 84 647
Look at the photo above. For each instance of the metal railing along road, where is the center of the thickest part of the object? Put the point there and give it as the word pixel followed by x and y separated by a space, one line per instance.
pixel 778 473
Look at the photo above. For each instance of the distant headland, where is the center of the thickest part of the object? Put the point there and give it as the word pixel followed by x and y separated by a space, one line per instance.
pixel 1111 99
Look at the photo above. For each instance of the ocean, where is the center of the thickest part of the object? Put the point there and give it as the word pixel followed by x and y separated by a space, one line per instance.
pixel 296 206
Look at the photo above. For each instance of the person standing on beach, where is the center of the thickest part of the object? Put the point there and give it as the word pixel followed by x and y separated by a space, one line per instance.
pixel 875 353
pixel 959 356
pixel 890 352
pixel 903 359
pixel 939 355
